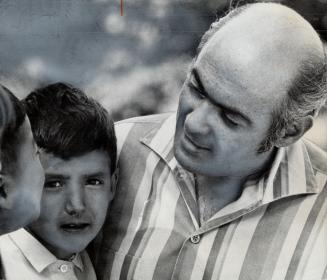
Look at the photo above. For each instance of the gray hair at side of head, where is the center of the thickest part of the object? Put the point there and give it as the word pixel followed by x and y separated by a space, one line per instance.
pixel 306 96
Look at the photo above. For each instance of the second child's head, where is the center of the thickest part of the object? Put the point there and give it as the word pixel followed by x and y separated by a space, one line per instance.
pixel 78 153
pixel 21 174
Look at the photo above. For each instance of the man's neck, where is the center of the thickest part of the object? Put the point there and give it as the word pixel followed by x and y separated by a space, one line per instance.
pixel 214 193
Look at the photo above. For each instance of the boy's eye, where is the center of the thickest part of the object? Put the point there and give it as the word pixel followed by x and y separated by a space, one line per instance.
pixel 94 182
pixel 53 184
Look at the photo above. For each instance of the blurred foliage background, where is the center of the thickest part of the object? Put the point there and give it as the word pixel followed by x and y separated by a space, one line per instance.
pixel 134 64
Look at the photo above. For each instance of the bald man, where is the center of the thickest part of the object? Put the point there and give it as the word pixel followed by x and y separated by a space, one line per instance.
pixel 227 188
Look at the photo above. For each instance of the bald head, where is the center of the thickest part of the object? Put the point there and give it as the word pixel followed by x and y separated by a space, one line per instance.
pixel 266 36
pixel 270 23
pixel 273 32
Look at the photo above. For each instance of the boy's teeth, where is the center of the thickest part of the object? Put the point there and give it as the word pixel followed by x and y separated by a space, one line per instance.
pixel 72 226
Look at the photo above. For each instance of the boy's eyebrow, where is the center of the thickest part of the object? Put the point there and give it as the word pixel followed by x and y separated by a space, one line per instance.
pixel 94 174
pixel 56 176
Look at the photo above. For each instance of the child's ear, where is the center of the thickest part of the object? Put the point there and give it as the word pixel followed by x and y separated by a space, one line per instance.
pixel 4 200
pixel 114 181
pixel 3 194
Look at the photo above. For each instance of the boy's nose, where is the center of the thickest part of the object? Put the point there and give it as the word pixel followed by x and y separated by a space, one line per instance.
pixel 75 203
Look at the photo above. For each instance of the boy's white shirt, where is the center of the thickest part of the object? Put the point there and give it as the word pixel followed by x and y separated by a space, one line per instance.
pixel 24 257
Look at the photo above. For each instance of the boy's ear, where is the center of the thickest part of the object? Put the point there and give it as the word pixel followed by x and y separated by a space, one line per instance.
pixel 294 132
pixel 114 181
pixel 5 202
pixel 3 194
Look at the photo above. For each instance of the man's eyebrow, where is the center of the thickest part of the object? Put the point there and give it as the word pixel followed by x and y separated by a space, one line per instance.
pixel 228 108
pixel 196 75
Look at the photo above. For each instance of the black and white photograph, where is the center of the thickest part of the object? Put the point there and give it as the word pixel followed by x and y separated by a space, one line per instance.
pixel 163 140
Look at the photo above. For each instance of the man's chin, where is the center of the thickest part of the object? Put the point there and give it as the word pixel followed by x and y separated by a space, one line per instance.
pixel 185 160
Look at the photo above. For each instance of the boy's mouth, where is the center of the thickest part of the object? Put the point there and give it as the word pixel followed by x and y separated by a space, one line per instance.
pixel 75 227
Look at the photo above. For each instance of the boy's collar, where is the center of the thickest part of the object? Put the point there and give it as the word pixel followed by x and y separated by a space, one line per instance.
pixel 37 255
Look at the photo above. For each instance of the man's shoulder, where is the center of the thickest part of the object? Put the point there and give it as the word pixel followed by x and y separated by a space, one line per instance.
pixel 138 127
pixel 150 119
pixel 318 156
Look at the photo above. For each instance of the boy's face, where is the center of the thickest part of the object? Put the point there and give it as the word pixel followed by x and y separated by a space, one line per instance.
pixel 74 203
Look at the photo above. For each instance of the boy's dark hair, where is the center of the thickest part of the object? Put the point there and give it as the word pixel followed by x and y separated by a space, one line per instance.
pixel 12 117
pixel 67 123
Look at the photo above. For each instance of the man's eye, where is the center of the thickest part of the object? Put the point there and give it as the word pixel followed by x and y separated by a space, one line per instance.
pixel 94 182
pixel 53 184
pixel 196 91
pixel 230 119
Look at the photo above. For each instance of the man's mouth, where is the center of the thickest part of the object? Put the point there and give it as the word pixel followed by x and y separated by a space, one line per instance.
pixel 75 227
pixel 191 142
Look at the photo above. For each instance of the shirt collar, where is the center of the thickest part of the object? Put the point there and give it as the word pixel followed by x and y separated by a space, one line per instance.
pixel 290 174
pixel 160 139
pixel 77 261
pixel 36 254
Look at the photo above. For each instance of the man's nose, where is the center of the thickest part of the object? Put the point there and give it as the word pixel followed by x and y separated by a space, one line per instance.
pixel 197 120
pixel 75 204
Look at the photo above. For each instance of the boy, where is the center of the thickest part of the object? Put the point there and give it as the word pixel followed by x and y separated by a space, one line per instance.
pixel 78 154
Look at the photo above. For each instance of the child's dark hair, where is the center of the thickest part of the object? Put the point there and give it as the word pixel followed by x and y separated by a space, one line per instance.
pixel 67 123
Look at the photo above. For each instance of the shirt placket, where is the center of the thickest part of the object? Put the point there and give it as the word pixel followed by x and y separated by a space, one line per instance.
pixel 192 242
pixel 187 190
pixel 63 271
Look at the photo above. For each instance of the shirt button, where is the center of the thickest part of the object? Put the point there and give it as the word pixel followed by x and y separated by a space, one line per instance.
pixel 181 175
pixel 64 268
pixel 195 239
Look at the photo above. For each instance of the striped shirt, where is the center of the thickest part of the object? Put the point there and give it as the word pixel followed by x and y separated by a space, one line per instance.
pixel 277 229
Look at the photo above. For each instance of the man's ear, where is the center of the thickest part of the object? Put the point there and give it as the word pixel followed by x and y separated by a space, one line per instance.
pixel 294 132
